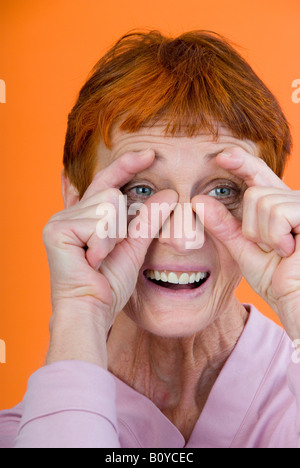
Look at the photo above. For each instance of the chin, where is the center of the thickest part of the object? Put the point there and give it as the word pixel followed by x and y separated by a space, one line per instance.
pixel 169 320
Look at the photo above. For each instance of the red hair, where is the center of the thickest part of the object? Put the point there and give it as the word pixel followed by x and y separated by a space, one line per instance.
pixel 190 82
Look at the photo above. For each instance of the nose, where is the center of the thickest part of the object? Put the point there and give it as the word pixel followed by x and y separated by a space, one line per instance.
pixel 183 230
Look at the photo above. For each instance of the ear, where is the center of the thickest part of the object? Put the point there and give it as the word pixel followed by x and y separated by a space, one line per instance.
pixel 69 192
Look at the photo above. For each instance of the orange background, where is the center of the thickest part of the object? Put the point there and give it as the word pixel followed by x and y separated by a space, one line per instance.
pixel 47 48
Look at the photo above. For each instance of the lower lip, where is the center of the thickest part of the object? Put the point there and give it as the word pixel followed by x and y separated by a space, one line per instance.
pixel 177 293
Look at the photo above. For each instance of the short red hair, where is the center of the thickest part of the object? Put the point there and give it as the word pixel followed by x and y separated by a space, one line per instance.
pixel 190 82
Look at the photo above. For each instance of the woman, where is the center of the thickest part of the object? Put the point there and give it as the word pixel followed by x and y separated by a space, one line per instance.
pixel 149 345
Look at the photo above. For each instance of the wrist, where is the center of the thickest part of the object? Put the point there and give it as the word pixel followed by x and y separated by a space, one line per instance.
pixel 78 331
pixel 288 311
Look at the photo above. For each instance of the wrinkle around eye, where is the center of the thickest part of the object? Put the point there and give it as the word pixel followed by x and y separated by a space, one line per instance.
pixel 133 197
pixel 234 201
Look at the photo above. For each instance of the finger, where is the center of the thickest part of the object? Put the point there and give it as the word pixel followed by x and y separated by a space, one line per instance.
pixel 257 204
pixel 111 195
pixel 99 248
pixel 264 247
pixel 252 169
pixel 77 237
pixel 220 223
pixel 87 208
pixel 146 226
pixel 283 223
pixel 130 254
pixel 120 171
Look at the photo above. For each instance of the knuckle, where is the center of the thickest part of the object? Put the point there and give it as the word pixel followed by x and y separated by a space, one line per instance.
pixel 50 230
pixel 277 213
pixel 111 195
pixel 264 204
pixel 249 232
pixel 273 239
pixel 250 194
pixel 111 192
pixel 262 163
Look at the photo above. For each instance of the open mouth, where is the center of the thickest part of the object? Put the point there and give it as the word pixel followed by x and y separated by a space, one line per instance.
pixel 177 280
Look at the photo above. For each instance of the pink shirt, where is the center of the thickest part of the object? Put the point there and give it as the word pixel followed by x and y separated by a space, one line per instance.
pixel 254 403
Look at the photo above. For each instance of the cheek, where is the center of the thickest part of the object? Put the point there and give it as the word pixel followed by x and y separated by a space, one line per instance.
pixel 238 212
pixel 225 266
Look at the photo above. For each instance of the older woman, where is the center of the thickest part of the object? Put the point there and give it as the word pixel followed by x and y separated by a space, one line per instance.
pixel 149 345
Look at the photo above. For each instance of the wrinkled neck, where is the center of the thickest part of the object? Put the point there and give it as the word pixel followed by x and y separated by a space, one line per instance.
pixel 146 361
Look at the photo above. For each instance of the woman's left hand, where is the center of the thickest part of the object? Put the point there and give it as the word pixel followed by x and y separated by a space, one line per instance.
pixel 266 244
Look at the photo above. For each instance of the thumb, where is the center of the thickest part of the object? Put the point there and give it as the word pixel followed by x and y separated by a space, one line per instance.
pixel 152 215
pixel 221 224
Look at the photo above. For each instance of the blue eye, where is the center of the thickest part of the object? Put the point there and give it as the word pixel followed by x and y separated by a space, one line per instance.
pixel 220 192
pixel 142 191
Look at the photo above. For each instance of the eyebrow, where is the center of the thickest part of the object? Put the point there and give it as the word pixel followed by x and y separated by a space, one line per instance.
pixel 159 156
pixel 207 157
pixel 210 156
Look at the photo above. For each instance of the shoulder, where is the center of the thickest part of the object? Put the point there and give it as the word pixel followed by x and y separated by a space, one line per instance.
pixel 263 332
pixel 265 346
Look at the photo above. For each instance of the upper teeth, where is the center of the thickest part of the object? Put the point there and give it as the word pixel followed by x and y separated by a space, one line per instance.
pixel 176 278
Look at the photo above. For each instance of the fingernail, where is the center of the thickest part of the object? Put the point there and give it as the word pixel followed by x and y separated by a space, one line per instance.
pixel 226 154
pixel 282 253
pixel 145 152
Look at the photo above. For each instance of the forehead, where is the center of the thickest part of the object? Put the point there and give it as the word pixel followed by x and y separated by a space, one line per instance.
pixel 203 145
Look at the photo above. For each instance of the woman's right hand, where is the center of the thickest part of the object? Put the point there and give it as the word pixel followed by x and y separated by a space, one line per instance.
pixel 92 279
